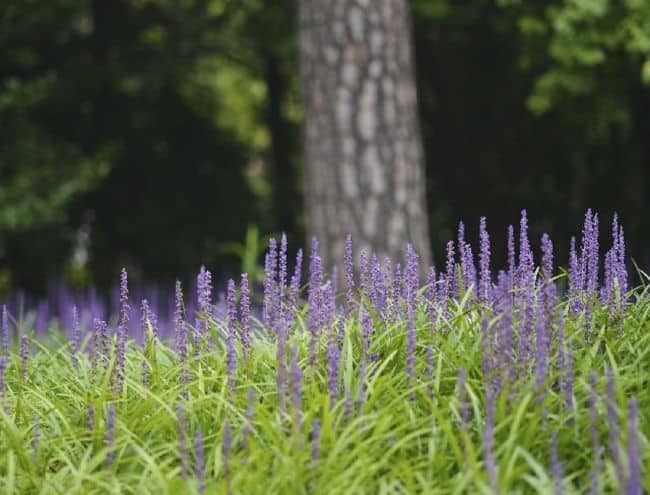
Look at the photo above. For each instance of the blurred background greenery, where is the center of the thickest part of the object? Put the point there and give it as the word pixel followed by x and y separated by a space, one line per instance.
pixel 160 134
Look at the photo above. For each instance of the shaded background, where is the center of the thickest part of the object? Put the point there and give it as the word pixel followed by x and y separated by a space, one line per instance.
pixel 154 134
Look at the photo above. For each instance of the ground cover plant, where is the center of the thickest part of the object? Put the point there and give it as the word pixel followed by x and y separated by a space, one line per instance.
pixel 400 379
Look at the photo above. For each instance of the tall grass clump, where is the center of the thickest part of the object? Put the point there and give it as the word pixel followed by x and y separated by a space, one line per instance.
pixel 393 378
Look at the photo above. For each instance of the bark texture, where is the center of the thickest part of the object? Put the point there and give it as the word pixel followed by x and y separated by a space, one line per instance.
pixel 363 150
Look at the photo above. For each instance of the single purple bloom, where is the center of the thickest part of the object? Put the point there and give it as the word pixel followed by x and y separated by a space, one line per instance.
pixel 245 312
pixel 485 277
pixel 333 358
pixel 467 269
pixel 231 357
pixel 340 335
pixel 526 263
pixel 549 290
pixel 283 266
pixel 75 341
pixel 178 317
pixel 348 265
pixel 575 279
pixel 315 301
pixel 451 282
pixel 364 273
pixel 294 289
pixel 124 299
pixel 511 255
pixel 270 268
pixel 378 285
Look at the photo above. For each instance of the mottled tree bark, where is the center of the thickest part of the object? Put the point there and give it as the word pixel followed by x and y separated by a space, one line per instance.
pixel 364 163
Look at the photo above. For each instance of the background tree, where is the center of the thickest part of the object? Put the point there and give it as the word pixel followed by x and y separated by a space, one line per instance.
pixel 363 152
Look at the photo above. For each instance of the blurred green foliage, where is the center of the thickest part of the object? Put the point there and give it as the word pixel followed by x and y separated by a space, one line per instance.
pixel 165 127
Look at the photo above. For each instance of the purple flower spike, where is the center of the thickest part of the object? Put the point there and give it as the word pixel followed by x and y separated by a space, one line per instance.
pixel 485 280
pixel 181 429
pixel 333 358
pixel 549 291
pixel 75 341
pixel 5 330
pixel 468 269
pixel 294 289
pixel 124 299
pixel 451 283
pixel 245 312
pixel 270 268
pixel 283 267
pixel 349 273
pixel 315 439
pixel 633 454
pixel 340 335
pixel 109 439
pixel 178 316
pixel 377 286
pixel 526 264
pixel 511 255
pixel 204 299
pixel 231 357
pixel 461 239
pixel 200 461
pixel 315 300
pixel 364 273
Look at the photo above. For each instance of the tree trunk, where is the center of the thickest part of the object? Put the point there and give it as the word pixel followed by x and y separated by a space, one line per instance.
pixel 364 163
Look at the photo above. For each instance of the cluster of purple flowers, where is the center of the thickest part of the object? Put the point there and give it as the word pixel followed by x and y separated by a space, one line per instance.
pixel 522 332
